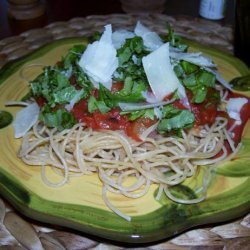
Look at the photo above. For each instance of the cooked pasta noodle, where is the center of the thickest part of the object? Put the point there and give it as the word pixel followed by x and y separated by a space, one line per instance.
pixel 116 157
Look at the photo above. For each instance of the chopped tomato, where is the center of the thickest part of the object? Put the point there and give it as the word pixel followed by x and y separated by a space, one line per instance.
pixel 41 101
pixel 204 115
pixel 73 82
pixel 168 97
pixel 117 86
pixel 80 109
pixel 205 112
pixel 178 104
pixel 111 120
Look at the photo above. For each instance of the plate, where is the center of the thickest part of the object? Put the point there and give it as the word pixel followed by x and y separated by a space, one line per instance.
pixel 78 204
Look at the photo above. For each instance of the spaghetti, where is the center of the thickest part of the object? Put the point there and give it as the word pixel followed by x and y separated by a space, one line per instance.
pixel 115 157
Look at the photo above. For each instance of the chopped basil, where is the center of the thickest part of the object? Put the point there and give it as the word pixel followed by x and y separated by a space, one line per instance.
pixel 94 105
pixel 198 82
pixel 65 95
pixel 183 119
pixel 48 83
pixel 188 67
pixel 175 40
pixel 73 55
pixel 133 115
pixel 66 83
pixel 81 78
pixel 60 119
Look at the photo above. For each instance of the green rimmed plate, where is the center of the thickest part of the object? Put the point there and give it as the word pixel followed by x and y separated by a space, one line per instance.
pixel 79 205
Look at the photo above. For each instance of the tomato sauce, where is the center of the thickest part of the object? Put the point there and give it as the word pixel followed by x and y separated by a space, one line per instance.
pixel 244 115
pixel 205 113
pixel 111 120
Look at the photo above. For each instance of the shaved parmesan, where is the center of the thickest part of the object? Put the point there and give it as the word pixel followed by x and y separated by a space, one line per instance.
pixel 220 79
pixel 139 106
pixel 160 75
pixel 195 58
pixel 25 119
pixel 119 37
pixel 151 39
pixel 99 60
pixel 234 106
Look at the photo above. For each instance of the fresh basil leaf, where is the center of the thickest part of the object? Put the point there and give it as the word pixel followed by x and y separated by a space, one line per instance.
pixel 73 55
pixel 184 119
pixel 134 115
pixel 128 84
pixel 61 80
pixel 190 81
pixel 150 114
pixel 94 105
pixel 49 82
pixel 200 94
pixel 106 96
pixel 188 67
pixel 65 95
pixel 198 82
pixel 130 47
pixel 175 40
pixel 130 60
pixel 82 79
pixel 124 54
pixel 60 119
pixel 132 91
pixel 168 111
pixel 206 78
pixel 178 70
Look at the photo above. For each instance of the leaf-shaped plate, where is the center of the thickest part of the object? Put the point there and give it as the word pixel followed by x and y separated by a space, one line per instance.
pixel 79 205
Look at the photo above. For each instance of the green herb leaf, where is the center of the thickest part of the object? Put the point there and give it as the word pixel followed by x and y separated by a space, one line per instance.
pixel 73 55
pixel 94 105
pixel 133 115
pixel 65 95
pixel 60 119
pixel 198 82
pixel 190 81
pixel 200 94
pixel 188 67
pixel 206 78
pixel 175 40
pixel 48 83
pixel 184 119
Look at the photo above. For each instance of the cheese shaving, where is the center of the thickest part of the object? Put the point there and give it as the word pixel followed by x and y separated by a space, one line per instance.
pixel 99 60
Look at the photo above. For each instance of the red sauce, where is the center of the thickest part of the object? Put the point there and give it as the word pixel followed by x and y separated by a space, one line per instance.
pixel 205 113
pixel 41 101
pixel 244 115
pixel 137 127
pixel 237 130
pixel 111 120
pixel 117 86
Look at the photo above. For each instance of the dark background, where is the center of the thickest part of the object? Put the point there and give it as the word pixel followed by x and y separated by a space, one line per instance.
pixel 63 10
